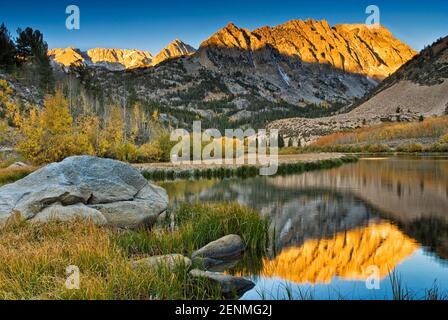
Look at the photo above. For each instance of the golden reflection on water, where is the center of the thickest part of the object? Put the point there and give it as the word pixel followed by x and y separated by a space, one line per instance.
pixel 347 255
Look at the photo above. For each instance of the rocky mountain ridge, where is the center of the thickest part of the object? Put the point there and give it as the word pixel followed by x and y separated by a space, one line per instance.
pixel 117 59
pixel 355 48
pixel 418 89
pixel 239 77
pixel 175 49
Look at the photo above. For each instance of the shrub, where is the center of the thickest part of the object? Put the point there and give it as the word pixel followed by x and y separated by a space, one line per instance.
pixel 49 134
pixel 3 132
pixel 377 148
pixel 444 139
pixel 165 145
pixel 126 151
pixel 149 152
pixel 411 148
pixel 438 147
pixel 429 127
pixel 12 175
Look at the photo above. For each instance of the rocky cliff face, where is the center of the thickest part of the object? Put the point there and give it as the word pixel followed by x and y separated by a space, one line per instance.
pixel 125 59
pixel 368 50
pixel 112 59
pixel 306 62
pixel 66 57
pixel 419 87
pixel 175 49
pixel 118 59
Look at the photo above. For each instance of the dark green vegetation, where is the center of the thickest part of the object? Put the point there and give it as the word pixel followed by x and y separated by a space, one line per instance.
pixel 243 171
pixel 26 58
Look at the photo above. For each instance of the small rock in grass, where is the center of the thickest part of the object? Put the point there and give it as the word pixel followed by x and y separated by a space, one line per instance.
pixel 229 247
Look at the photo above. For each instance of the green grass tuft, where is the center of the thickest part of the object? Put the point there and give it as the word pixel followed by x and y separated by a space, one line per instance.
pixel 197 225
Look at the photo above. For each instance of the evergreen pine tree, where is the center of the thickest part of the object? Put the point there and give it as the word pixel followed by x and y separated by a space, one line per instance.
pixel 32 48
pixel 7 50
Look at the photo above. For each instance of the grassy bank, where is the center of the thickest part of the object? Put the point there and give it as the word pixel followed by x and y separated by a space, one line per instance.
pixel 428 128
pixel 429 135
pixel 243 171
pixel 412 147
pixel 35 257
pixel 11 175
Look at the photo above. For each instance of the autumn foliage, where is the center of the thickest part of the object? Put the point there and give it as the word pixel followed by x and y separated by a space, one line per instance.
pixel 51 133
pixel 431 127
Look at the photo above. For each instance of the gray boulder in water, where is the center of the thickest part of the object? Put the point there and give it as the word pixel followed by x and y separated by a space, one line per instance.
pixel 109 192
pixel 231 287
pixel 226 248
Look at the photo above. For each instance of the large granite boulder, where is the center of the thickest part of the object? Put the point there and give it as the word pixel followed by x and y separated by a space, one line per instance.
pixel 107 191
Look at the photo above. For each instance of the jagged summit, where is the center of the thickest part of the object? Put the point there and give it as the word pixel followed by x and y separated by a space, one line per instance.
pixel 357 48
pixel 418 88
pixel 112 59
pixel 67 57
pixel 175 49
pixel 128 59
pixel 118 59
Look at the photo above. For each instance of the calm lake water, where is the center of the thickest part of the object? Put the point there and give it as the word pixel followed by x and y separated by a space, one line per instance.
pixel 330 227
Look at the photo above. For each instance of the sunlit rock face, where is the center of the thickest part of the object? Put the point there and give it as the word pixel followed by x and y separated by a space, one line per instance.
pixel 128 59
pixel 118 59
pixel 112 59
pixel 347 255
pixel 355 48
pixel 419 87
pixel 175 49
pixel 67 57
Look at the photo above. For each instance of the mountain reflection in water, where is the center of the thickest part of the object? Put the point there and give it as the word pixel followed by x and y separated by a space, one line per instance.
pixel 347 255
pixel 336 223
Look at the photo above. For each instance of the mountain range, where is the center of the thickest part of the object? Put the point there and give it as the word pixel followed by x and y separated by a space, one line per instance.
pixel 117 59
pixel 299 68
pixel 306 78
pixel 353 48
pixel 418 89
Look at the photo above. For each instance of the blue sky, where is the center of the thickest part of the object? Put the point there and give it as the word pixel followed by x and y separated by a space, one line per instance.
pixel 151 25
